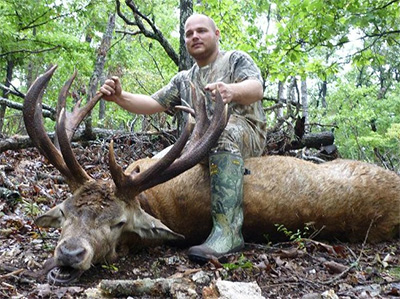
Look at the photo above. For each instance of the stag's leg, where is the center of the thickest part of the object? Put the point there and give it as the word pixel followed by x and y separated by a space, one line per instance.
pixel 226 173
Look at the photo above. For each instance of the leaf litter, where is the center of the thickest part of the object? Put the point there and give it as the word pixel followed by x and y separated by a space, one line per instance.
pixel 304 268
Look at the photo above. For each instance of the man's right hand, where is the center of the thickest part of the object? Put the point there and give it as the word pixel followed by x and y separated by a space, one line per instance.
pixel 111 89
pixel 134 103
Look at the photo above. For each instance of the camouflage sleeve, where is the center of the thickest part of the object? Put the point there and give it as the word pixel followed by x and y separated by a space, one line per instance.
pixel 244 68
pixel 169 96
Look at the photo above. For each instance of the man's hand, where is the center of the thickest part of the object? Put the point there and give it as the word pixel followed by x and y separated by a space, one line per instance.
pixel 224 89
pixel 111 89
pixel 243 93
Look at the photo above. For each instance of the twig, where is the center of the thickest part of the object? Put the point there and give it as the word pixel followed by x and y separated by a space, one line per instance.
pixel 16 272
pixel 6 182
pixel 316 233
pixel 348 269
pixel 154 287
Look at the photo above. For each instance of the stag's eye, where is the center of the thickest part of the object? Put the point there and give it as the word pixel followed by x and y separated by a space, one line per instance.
pixel 62 213
pixel 118 225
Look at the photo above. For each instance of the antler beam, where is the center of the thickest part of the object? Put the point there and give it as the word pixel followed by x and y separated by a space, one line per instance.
pixel 63 160
pixel 170 165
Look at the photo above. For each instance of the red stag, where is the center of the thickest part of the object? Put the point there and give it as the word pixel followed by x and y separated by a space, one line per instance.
pixel 166 199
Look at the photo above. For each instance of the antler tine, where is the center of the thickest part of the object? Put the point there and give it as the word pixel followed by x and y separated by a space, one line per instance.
pixel 186 109
pixel 63 160
pixel 74 119
pixel 169 167
pixel 32 112
pixel 199 149
pixel 137 179
pixel 66 125
pixel 80 175
pixel 202 121
pixel 61 103
pixel 78 114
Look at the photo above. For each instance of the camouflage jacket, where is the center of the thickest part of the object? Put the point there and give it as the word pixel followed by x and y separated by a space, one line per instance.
pixel 229 67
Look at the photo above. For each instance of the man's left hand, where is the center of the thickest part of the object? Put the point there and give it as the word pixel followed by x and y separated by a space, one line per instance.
pixel 224 89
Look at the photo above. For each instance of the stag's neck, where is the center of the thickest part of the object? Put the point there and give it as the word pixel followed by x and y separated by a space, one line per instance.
pixel 145 204
pixel 182 204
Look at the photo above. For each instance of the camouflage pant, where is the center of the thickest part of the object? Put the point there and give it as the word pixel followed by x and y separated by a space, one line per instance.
pixel 240 138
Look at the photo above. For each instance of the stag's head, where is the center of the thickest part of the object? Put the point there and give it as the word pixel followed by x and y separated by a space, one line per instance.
pixel 98 213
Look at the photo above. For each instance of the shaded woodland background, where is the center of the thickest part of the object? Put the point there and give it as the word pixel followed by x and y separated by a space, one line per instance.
pixel 329 66
pixel 331 71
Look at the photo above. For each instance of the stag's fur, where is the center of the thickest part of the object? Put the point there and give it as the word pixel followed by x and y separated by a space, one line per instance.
pixel 345 197
pixel 348 200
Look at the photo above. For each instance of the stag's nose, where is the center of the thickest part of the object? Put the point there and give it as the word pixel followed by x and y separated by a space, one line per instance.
pixel 70 254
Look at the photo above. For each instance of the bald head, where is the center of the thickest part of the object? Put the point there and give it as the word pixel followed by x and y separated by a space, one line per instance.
pixel 202 38
pixel 202 18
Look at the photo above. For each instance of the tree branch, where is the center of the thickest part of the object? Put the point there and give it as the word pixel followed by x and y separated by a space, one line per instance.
pixel 14 91
pixel 32 24
pixel 47 111
pixel 155 33
pixel 29 51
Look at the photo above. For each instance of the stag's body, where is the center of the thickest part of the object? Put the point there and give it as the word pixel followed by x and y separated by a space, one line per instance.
pixel 347 200
pixel 343 197
pixel 168 199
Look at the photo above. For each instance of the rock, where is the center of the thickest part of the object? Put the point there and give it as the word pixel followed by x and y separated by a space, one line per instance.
pixel 201 277
pixel 233 290
pixel 312 296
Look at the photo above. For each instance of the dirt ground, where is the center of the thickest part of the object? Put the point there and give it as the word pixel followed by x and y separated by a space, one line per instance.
pixel 299 268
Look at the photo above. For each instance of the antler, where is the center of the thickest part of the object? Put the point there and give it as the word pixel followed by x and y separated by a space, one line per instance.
pixel 73 119
pixel 201 118
pixel 65 160
pixel 169 166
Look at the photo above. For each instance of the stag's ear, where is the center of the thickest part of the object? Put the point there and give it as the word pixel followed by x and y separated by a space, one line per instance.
pixel 148 227
pixel 52 218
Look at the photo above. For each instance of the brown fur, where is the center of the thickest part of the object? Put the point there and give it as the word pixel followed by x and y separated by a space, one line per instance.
pixel 347 200
pixel 345 197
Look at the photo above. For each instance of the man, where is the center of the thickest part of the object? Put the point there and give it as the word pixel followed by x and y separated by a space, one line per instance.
pixel 239 82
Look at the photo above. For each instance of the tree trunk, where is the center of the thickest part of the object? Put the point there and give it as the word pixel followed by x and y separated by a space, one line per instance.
pixel 280 99
pixel 102 103
pixel 186 10
pixel 99 67
pixel 314 140
pixel 47 110
pixel 322 93
pixel 10 68
pixel 304 100
pixel 291 95
pixel 31 73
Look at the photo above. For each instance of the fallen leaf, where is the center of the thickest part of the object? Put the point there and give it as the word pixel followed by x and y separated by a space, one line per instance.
pixel 335 268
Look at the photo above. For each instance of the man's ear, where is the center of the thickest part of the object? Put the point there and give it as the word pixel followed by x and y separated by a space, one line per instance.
pixel 148 227
pixel 218 34
pixel 52 218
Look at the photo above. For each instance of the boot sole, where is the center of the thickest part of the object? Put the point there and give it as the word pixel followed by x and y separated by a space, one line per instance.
pixel 202 259
pixel 198 259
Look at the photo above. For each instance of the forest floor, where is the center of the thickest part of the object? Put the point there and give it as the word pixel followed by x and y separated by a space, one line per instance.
pixel 299 268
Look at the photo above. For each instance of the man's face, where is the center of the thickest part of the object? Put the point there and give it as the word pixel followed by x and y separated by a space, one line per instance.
pixel 201 37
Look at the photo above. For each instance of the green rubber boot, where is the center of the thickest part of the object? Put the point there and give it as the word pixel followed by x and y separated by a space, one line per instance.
pixel 226 175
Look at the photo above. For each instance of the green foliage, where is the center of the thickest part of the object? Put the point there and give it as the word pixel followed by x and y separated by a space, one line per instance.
pixel 110 267
pixel 31 209
pixel 351 45
pixel 297 236
pixel 364 123
pixel 241 263
pixel 395 271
